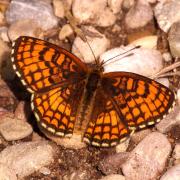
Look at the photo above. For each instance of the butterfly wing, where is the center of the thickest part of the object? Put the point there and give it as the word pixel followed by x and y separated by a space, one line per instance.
pixel 134 103
pixel 55 77
pixel 41 65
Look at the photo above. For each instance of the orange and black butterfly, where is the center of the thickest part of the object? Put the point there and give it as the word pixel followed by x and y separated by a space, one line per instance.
pixel 71 96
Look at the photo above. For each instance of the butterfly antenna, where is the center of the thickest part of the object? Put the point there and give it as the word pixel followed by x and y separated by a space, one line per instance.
pixel 105 62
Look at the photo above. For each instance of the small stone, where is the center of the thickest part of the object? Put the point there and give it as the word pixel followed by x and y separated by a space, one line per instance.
pixel 97 44
pixel 172 173
pixel 45 171
pixel 112 163
pixel 39 11
pixel 58 8
pixel 94 13
pixel 146 62
pixel 26 158
pixel 148 159
pixel 14 129
pixel 127 4
pixel 23 111
pixel 140 135
pixel 115 5
pixel 113 177
pixel 176 152
pixel 167 57
pixel 169 121
pixel 25 27
pixel 149 42
pixel 65 32
pixel 139 15
pixel 122 147
pixel 4 34
pixel 166 13
pixel 6 173
pixel 174 39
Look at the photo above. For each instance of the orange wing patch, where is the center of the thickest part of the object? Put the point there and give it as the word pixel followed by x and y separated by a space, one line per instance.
pixel 41 65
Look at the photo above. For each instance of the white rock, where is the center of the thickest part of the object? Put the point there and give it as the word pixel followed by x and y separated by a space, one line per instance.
pixel 39 11
pixel 167 57
pixel 94 12
pixel 58 8
pixel 148 159
pixel 6 173
pixel 149 42
pixel 169 121
pixel 115 5
pixel 172 173
pixel 25 27
pixel 113 177
pixel 65 32
pixel 166 13
pixel 139 15
pixel 26 158
pixel 97 44
pixel 141 61
pixel 14 129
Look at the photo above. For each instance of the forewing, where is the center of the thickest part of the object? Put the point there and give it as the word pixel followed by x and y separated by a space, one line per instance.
pixel 140 100
pixel 106 127
pixel 56 109
pixel 41 65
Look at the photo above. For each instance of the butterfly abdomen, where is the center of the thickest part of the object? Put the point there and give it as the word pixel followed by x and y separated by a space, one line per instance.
pixel 87 102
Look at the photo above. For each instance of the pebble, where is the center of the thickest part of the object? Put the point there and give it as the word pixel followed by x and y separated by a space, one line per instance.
pixel 149 42
pixel 45 171
pixel 65 32
pixel 115 5
pixel 58 8
pixel 6 173
pixel 27 27
pixel 94 13
pixel 113 177
pixel 174 39
pixel 167 13
pixel 139 15
pixel 97 44
pixel 39 11
pixel 167 57
pixel 169 121
pixel 172 173
pixel 14 129
pixel 23 111
pixel 127 4
pixel 122 147
pixel 26 158
pixel 112 163
pixel 146 62
pixel 148 158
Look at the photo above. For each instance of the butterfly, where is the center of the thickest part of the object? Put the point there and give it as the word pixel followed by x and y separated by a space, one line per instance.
pixel 70 96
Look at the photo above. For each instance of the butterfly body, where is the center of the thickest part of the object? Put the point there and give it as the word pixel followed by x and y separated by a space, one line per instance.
pixel 69 96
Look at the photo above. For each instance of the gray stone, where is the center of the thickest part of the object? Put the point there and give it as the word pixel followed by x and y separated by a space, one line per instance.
pixel 166 13
pixel 148 159
pixel 14 129
pixel 39 11
pixel 26 158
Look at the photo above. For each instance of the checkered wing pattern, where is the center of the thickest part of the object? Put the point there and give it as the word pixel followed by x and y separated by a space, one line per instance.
pixel 42 65
pixel 126 102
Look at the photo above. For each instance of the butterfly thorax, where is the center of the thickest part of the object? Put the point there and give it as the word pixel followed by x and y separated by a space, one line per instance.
pixel 86 105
